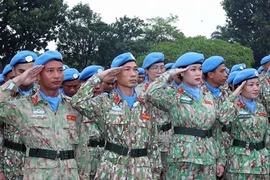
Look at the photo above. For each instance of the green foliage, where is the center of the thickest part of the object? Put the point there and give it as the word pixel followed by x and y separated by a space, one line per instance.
pixel 232 53
pixel 249 22
pixel 28 25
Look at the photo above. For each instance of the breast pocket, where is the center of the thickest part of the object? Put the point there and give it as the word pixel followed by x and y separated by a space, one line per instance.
pixel 41 127
pixel 70 128
pixel 116 122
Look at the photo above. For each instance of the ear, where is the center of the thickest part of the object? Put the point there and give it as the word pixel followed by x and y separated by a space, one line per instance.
pixel 210 75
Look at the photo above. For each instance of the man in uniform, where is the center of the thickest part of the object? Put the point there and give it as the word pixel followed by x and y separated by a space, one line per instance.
pixel 91 146
pixel 14 149
pixel 215 77
pixel 141 75
pixel 46 121
pixel 131 150
pixel 71 83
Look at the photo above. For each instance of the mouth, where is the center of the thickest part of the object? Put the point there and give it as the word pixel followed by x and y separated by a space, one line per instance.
pixel 198 79
pixel 56 82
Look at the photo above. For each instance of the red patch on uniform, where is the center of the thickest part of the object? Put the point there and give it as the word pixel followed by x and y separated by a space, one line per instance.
pixel 70 117
pixel 145 116
pixel 35 99
pixel 262 114
pixel 141 100
pixel 240 104
pixel 116 99
pixel 268 80
pixel 207 102
pixel 205 90
pixel 181 90
pixel 146 86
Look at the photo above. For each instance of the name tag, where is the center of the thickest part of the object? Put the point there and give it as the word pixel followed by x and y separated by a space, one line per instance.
pixel 243 115
pixel 186 100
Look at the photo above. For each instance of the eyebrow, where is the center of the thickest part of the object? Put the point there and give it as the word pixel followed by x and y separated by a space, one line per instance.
pixel 130 66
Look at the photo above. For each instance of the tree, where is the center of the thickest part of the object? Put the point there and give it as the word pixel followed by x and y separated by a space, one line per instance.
pixel 249 22
pixel 162 29
pixel 79 36
pixel 232 53
pixel 28 25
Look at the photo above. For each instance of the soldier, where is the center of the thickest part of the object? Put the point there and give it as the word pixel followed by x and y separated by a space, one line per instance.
pixel 215 76
pixel 71 83
pixel 14 149
pixel 194 153
pixel 7 73
pixel 260 69
pixel 265 63
pixel 238 67
pixel 46 121
pixel 248 157
pixel 141 75
pixel 168 66
pixel 230 80
pixel 131 150
pixel 154 67
pixel 91 146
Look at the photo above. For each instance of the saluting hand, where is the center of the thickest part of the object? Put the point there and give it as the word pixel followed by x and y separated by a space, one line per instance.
pixel 109 74
pixel 29 76
pixel 174 72
pixel 239 89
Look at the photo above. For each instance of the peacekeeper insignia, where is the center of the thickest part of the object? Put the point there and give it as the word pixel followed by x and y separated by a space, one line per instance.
pixel 29 59
pixel 116 110
pixel 185 100
pixel 243 114
pixel 38 112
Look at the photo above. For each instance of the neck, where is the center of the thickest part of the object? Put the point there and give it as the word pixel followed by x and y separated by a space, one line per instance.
pixel 26 88
pixel 247 99
pixel 51 93
pixel 211 83
pixel 126 91
pixel 190 86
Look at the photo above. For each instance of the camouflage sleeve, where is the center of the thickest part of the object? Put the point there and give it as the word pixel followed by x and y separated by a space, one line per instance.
pixel 9 112
pixel 267 137
pixel 1 148
pixel 6 90
pixel 228 110
pixel 155 156
pixel 160 94
pixel 84 102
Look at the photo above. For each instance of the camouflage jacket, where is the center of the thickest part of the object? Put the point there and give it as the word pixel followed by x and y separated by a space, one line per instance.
pixel 249 127
pixel 161 118
pixel 191 113
pixel 130 128
pixel 40 127
pixel 12 161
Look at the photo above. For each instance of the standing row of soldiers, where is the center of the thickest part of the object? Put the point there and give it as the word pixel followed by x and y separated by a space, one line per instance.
pixel 193 121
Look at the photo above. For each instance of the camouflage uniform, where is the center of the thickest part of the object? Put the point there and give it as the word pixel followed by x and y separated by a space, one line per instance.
pixel 42 128
pixel 123 127
pixel 264 95
pixel 246 162
pixel 163 120
pixel 189 156
pixel 13 160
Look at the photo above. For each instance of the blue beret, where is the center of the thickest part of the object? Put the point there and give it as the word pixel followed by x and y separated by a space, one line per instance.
pixel 23 57
pixel 47 56
pixel 227 70
pixel 65 67
pixel 188 59
pixel 71 74
pixel 238 67
pixel 90 71
pixel 141 71
pixel 1 78
pixel 245 75
pixel 168 66
pixel 6 70
pixel 265 60
pixel 212 63
pixel 152 58
pixel 231 77
pixel 260 69
pixel 122 59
